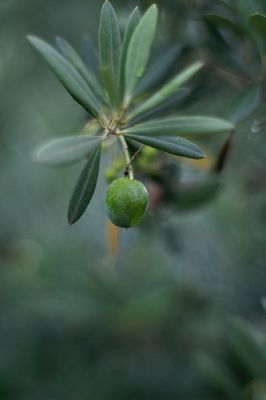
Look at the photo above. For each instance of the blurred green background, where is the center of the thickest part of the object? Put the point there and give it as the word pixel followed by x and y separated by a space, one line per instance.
pixel 78 324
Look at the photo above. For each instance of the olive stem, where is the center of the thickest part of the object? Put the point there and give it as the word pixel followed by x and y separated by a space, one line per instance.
pixel 128 160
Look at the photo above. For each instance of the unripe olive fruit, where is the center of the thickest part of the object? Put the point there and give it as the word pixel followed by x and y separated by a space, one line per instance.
pixel 126 202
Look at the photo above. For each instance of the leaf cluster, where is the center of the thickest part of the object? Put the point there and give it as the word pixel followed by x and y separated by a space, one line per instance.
pixel 112 100
pixel 236 33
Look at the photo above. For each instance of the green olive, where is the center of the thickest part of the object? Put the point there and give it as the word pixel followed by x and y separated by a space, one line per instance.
pixel 126 202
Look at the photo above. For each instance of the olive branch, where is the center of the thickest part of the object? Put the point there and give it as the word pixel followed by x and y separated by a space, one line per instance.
pixel 115 98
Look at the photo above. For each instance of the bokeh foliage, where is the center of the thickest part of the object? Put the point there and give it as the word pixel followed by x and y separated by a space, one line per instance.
pixel 165 319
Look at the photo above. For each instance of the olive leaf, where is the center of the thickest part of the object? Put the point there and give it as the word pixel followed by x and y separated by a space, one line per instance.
pixel 72 56
pixel 139 50
pixel 68 76
pixel 168 89
pixel 258 23
pixel 110 50
pixel 263 302
pixel 218 374
pixel 245 104
pixel 158 68
pixel 223 53
pixel 132 23
pixel 247 346
pixel 89 55
pixel 172 145
pixel 168 104
pixel 188 125
pixel 245 8
pixel 222 22
pixel 226 3
pixel 66 151
pixel 85 187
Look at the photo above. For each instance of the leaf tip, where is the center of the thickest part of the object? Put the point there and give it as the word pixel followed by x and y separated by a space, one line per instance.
pixel 231 126
pixel 136 11
pixel 58 39
pixel 154 9
pixel 107 4
pixel 34 40
pixel 71 218
pixel 154 6
pixel 256 14
pixel 200 154
pixel 30 38
pixel 201 63
pixel 70 221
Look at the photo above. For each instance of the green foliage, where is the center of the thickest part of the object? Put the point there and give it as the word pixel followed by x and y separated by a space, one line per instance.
pixel 244 376
pixel 245 104
pixel 258 23
pixel 122 65
pixel 69 76
pixel 167 90
pixel 139 50
pixel 219 376
pixel 73 58
pixel 248 25
pixel 183 126
pixel 85 187
pixel 132 24
pixel 222 22
pixel 159 68
pixel 172 145
pixel 95 323
pixel 66 151
pixel 110 51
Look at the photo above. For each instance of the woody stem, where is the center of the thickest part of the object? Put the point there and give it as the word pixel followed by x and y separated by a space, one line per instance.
pixel 127 157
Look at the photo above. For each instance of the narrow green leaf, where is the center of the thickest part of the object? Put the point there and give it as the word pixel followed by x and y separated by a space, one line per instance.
pixel 168 89
pixel 244 9
pixel 226 3
pixel 158 69
pixel 89 55
pixel 110 50
pixel 188 125
pixel 219 376
pixel 168 104
pixel 222 22
pixel 247 347
pixel 66 151
pixel 263 302
pixel 258 23
pixel 85 187
pixel 245 104
pixel 139 50
pixel 173 145
pixel 68 76
pixel 132 23
pixel 223 52
pixel 72 56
